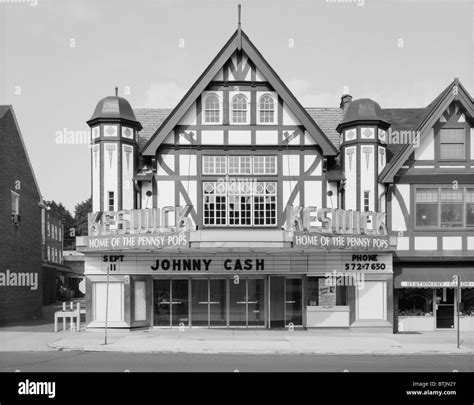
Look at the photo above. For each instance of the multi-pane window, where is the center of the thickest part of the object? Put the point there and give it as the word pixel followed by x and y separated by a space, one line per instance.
pixel 239 203
pixel 444 207
pixel 239 109
pixel 470 207
pixel 239 164
pixel 264 164
pixel 427 207
pixel 211 109
pixel 111 201
pixel 452 144
pixel 214 164
pixel 451 208
pixel 215 203
pixel 267 109
pixel 265 203
pixel 366 201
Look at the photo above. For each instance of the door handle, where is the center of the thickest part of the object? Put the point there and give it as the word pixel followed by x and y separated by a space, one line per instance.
pixel 290 302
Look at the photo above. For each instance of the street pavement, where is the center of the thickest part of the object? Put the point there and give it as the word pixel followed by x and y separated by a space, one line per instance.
pixel 60 361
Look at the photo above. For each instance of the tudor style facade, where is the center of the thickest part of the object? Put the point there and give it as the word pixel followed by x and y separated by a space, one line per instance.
pixel 231 167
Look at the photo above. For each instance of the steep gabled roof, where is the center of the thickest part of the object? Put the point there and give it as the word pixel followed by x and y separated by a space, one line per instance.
pixel 3 115
pixel 401 119
pixel 454 92
pixel 151 119
pixel 238 41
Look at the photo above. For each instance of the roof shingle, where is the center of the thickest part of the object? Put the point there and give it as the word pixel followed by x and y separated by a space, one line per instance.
pixel 402 119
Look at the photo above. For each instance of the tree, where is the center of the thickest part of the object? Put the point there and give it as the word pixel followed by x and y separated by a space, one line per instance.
pixel 67 220
pixel 80 216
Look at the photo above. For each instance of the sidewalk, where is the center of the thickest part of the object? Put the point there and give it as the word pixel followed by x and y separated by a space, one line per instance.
pixel 33 335
pixel 39 335
pixel 241 341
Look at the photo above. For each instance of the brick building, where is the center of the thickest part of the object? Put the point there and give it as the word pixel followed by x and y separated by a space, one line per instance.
pixel 20 226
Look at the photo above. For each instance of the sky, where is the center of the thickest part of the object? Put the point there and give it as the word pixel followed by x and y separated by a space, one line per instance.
pixel 58 58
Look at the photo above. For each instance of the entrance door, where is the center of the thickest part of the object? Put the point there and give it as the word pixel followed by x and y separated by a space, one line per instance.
pixel 238 302
pixel 247 302
pixel 293 301
pixel 277 302
pixel 179 303
pixel 171 302
pixel 255 302
pixel 217 303
pixel 444 304
pixel 162 302
pixel 208 302
pixel 200 302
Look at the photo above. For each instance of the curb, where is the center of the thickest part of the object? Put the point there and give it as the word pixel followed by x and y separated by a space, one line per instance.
pixel 263 352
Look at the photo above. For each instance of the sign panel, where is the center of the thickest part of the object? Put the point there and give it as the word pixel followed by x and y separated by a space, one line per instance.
pixel 160 263
pixel 136 241
pixel 327 294
pixel 435 284
pixel 312 240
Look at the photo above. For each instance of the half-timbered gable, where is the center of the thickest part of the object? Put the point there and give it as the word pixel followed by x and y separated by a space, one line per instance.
pixel 433 178
pixel 241 150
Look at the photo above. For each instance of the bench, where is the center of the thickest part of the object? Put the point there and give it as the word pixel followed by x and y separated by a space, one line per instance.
pixel 73 314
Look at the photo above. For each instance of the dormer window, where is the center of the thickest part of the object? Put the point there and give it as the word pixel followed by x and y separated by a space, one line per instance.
pixel 239 109
pixel 212 109
pixel 266 106
pixel 452 144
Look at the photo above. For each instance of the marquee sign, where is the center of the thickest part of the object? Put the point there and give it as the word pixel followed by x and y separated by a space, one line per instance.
pixel 145 229
pixel 156 220
pixel 327 228
pixel 161 263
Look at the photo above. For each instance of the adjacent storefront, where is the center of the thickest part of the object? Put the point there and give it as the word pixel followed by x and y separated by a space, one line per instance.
pixel 428 296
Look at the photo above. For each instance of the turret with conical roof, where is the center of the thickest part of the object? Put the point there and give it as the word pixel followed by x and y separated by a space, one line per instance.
pixel 114 129
pixel 363 154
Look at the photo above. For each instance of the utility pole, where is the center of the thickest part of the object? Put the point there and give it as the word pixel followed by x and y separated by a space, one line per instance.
pixel 107 303
pixel 458 308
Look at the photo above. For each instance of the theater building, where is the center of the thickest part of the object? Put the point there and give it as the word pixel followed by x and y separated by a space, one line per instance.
pixel 241 208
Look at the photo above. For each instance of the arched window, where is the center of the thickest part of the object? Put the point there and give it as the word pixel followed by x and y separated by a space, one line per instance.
pixel 239 109
pixel 267 109
pixel 212 108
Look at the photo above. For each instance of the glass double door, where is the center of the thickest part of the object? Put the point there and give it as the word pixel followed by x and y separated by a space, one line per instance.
pixel 247 302
pixel 208 302
pixel 171 302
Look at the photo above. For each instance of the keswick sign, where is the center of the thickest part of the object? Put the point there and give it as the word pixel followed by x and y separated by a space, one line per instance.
pixel 327 228
pixel 154 220
pixel 146 229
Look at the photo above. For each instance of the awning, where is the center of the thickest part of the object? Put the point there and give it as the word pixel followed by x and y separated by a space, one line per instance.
pixel 419 275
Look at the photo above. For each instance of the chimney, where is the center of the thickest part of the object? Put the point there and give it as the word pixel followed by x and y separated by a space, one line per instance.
pixel 345 101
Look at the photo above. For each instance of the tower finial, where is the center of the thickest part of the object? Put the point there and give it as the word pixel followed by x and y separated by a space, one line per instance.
pixel 239 30
pixel 116 91
pixel 239 7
